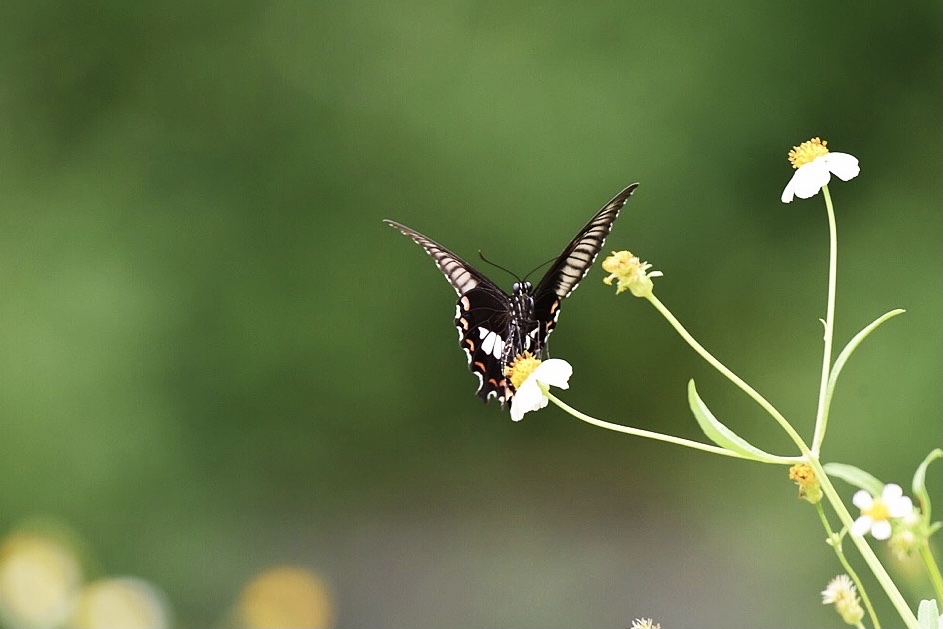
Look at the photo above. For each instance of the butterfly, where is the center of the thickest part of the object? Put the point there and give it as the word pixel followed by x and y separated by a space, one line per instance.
pixel 495 327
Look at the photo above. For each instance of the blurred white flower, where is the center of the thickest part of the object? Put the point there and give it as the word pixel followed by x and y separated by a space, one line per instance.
pixel 40 578
pixel 121 602
pixel 842 593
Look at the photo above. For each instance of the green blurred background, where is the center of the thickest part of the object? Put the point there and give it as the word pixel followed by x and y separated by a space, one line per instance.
pixel 215 358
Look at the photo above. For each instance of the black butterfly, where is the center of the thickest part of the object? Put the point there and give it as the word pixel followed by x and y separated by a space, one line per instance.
pixel 494 327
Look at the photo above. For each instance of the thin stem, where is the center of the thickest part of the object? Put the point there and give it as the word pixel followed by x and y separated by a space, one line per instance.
pixel 835 540
pixel 821 412
pixel 933 570
pixel 896 598
pixel 719 366
pixel 638 432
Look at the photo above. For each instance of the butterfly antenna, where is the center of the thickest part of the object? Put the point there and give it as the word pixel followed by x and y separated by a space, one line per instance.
pixel 539 266
pixel 498 266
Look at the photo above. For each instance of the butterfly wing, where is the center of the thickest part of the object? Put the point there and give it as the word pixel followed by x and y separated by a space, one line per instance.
pixel 572 265
pixel 483 319
pixel 482 315
pixel 460 274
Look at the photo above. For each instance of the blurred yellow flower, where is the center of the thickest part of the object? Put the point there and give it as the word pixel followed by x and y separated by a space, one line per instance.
pixel 285 597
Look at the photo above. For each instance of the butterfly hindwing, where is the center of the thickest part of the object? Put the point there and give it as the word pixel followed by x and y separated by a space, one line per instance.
pixel 482 317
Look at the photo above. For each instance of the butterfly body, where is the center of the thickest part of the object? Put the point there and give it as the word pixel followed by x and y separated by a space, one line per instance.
pixel 494 327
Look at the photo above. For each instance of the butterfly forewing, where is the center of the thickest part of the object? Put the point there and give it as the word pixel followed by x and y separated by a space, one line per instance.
pixel 572 265
pixel 461 275
pixel 574 262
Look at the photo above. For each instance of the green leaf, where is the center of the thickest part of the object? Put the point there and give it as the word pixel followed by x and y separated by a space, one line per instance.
pixel 852 345
pixel 928 616
pixel 920 483
pixel 723 436
pixel 855 476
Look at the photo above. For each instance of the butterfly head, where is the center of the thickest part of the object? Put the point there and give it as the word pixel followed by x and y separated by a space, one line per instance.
pixel 522 287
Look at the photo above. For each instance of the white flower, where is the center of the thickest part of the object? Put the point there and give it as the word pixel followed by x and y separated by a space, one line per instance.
pixel 876 513
pixel 527 374
pixel 815 166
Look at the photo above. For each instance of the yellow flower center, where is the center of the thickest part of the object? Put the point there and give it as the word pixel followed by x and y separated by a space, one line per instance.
pixel 620 263
pixel 807 152
pixel 521 368
pixel 877 511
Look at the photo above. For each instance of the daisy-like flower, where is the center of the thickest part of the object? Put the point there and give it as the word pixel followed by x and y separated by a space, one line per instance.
pixel 815 166
pixel 632 274
pixel 877 513
pixel 841 593
pixel 645 623
pixel 530 378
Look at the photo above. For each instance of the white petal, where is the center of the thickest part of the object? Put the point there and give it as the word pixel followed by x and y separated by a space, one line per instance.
pixel 527 398
pixel 553 372
pixel 862 525
pixel 862 500
pixel 881 529
pixel 789 192
pixel 843 165
pixel 902 508
pixel 810 178
pixel 891 493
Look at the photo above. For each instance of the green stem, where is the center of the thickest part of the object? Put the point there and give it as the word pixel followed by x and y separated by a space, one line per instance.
pixel 896 598
pixel 836 544
pixel 933 570
pixel 647 433
pixel 821 412
pixel 719 366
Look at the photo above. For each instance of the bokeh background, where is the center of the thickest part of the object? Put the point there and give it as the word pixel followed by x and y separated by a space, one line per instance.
pixel 217 364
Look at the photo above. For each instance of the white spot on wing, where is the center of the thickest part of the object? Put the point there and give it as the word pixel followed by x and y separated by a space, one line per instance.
pixel 491 342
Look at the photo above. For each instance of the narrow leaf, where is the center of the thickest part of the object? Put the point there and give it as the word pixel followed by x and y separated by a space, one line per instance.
pixel 723 436
pixel 852 345
pixel 855 476
pixel 920 483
